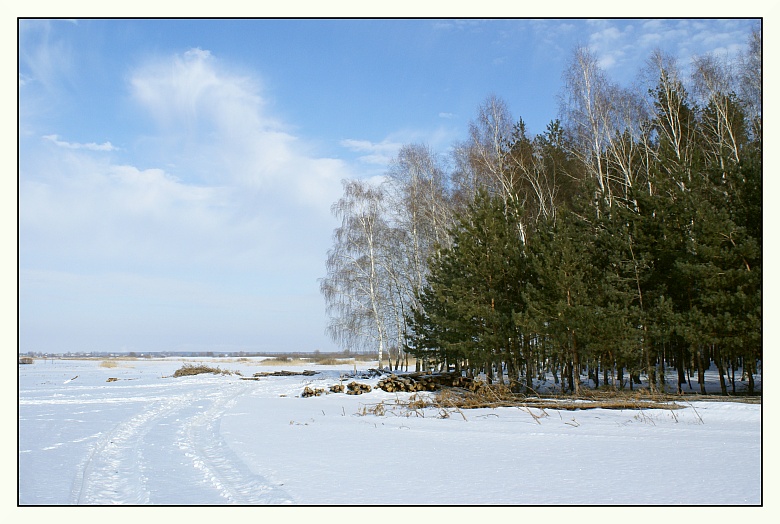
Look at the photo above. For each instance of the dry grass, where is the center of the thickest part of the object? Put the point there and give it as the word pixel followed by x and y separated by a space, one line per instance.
pixel 488 396
pixel 190 369
pixel 319 360
pixel 330 361
pixel 366 357
pixel 108 364
pixel 449 401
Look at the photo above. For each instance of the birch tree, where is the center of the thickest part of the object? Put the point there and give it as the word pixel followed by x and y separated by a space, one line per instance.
pixel 420 205
pixel 354 289
pixel 722 120
pixel 674 119
pixel 750 82
pixel 585 113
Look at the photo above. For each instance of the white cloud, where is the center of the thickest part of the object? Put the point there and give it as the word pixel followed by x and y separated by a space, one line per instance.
pixel 624 46
pixel 230 203
pixel 126 248
pixel 458 25
pixel 214 126
pixel 377 153
pixel 381 153
pixel 92 146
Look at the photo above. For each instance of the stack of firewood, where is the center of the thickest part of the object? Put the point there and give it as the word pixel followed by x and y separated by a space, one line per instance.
pixel 309 392
pixel 355 388
pixel 422 382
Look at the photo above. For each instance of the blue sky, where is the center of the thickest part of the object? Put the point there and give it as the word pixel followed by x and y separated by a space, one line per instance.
pixel 176 176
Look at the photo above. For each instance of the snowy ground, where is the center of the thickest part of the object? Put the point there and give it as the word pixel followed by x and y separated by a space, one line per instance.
pixel 151 439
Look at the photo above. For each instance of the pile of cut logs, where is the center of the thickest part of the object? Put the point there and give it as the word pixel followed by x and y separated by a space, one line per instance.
pixel 309 392
pixel 422 382
pixel 355 388
pixel 410 383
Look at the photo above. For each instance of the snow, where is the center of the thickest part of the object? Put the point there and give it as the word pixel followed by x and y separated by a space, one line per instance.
pixel 151 439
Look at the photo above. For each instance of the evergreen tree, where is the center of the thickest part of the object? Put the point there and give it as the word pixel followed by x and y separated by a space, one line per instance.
pixel 467 307
pixel 561 305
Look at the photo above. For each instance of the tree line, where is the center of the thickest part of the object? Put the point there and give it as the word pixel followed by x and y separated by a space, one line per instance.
pixel 623 243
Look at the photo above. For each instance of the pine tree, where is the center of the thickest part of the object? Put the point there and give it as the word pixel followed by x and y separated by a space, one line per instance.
pixel 561 256
pixel 467 308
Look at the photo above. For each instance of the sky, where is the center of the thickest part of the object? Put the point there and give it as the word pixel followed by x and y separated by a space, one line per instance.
pixel 175 177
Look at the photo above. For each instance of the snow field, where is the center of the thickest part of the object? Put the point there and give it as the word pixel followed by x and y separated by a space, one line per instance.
pixel 151 439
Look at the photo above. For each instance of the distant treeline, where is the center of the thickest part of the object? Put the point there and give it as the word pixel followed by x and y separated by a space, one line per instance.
pixel 624 240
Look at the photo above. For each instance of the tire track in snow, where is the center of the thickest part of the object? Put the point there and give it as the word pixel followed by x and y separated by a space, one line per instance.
pixel 112 473
pixel 220 467
pixel 117 471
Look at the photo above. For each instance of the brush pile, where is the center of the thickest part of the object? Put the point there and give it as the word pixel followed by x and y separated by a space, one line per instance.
pixel 190 369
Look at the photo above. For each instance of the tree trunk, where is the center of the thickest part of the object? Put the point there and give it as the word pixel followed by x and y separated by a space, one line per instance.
pixel 576 370
pixel 650 373
pixel 719 363
pixel 662 371
pixel 700 366
pixel 733 378
pixel 567 372
pixel 680 370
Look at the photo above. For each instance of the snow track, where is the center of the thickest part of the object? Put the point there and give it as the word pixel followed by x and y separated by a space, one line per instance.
pixel 191 459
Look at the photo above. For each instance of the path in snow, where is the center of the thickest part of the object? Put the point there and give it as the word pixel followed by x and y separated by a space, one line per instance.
pixel 186 456
pixel 142 437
